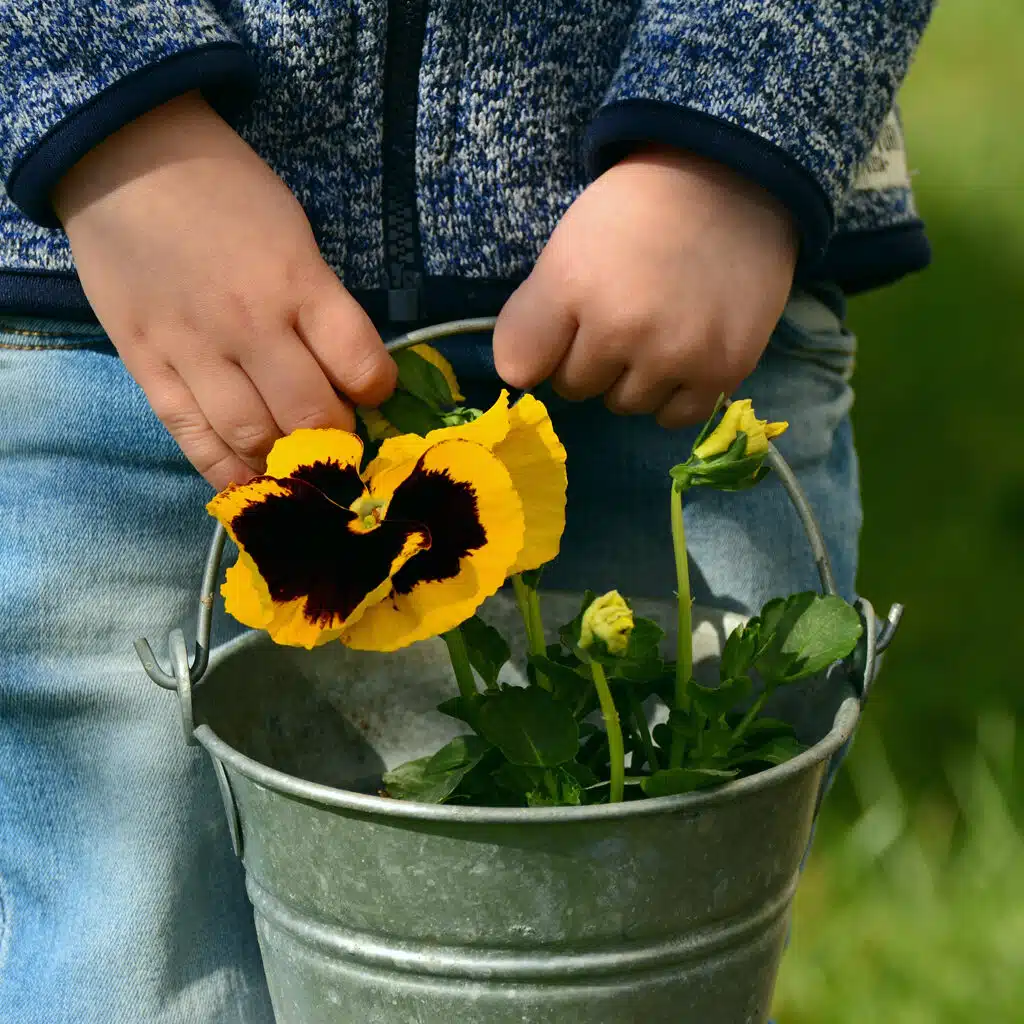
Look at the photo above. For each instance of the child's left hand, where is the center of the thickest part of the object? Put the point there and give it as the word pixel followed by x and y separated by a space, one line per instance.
pixel 659 289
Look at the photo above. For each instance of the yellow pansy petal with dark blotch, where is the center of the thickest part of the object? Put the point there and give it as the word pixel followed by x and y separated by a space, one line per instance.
pixel 437 360
pixel 321 567
pixel 535 459
pixel 328 459
pixel 465 498
pixel 305 447
pixel 293 625
pixel 236 498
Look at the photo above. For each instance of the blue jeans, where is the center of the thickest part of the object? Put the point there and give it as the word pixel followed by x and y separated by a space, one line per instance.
pixel 120 899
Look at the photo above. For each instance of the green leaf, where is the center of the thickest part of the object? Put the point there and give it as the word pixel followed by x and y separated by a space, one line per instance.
pixel 775 751
pixel 517 779
pixel 645 640
pixel 672 781
pixel 685 723
pixel 530 727
pixel 487 649
pixel 581 773
pixel 570 632
pixel 465 709
pixel 431 780
pixel 461 752
pixel 409 414
pixel 567 684
pixel 763 729
pixel 559 789
pixel 739 651
pixel 716 702
pixel 804 634
pixel 423 380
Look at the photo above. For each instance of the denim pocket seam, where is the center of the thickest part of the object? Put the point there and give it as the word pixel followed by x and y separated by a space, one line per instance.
pixel 84 343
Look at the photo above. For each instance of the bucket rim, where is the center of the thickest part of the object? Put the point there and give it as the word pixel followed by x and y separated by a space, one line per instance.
pixel 329 796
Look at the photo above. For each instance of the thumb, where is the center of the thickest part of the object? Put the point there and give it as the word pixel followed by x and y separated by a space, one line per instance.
pixel 535 329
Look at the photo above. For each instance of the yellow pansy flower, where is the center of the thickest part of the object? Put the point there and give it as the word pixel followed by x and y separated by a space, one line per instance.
pixel 404 550
pixel 607 618
pixel 739 417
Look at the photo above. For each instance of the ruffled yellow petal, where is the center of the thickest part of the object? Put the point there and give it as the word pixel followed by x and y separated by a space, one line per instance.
pixel 395 461
pixel 435 358
pixel 246 596
pixel 535 459
pixel 775 429
pixel 488 429
pixel 465 497
pixel 307 447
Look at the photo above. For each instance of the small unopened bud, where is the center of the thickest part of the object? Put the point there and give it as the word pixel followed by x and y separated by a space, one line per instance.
pixel 739 417
pixel 609 619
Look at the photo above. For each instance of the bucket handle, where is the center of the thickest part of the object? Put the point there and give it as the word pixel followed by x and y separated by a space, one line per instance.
pixel 185 674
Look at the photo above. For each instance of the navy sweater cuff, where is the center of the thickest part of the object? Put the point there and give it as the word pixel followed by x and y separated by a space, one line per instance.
pixel 620 127
pixel 224 72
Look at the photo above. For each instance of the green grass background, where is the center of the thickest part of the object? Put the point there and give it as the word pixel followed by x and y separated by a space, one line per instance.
pixel 912 908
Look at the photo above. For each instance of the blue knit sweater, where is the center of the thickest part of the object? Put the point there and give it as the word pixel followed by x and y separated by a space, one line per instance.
pixel 435 145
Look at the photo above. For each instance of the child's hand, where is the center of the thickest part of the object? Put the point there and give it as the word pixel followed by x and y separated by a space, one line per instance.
pixel 659 288
pixel 201 266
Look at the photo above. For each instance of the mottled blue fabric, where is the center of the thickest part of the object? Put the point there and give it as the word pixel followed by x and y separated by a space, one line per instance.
pixel 519 105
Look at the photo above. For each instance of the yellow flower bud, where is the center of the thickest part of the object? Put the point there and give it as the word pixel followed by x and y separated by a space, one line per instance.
pixel 607 618
pixel 739 417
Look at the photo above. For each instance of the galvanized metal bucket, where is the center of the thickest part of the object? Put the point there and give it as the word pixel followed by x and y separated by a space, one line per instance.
pixel 377 911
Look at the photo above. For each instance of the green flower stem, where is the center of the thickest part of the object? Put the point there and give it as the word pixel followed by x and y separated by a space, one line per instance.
pixel 528 601
pixel 522 592
pixel 684 639
pixel 460 662
pixel 613 727
pixel 755 709
pixel 645 733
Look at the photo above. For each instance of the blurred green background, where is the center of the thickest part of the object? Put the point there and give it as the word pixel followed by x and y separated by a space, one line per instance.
pixel 912 908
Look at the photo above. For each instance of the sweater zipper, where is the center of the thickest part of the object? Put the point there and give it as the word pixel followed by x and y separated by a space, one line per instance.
pixel 407 25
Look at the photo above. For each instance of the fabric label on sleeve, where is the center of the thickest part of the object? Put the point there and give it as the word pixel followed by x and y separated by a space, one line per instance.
pixel 886 165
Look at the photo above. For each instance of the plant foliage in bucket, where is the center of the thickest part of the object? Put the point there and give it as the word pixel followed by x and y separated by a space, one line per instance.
pixel 397 534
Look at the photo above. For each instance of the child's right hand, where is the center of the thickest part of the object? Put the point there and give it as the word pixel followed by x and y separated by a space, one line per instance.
pixel 202 267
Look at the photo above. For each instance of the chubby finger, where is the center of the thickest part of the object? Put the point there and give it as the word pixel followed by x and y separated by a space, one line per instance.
pixel 235 409
pixel 342 339
pixel 178 410
pixel 294 387
pixel 535 329
pixel 591 367
pixel 685 407
pixel 638 393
